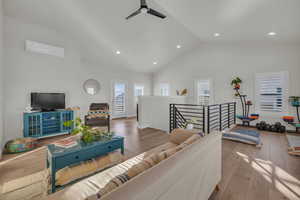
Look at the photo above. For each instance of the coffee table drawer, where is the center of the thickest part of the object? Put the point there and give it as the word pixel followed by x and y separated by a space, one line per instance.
pixel 73 158
pixel 59 158
pixel 108 148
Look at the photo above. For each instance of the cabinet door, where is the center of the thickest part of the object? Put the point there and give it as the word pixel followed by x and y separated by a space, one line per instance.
pixel 66 116
pixel 33 125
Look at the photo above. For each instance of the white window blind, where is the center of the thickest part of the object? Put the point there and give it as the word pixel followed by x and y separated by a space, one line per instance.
pixel 271 91
pixel 118 100
pixel 203 92
pixel 164 89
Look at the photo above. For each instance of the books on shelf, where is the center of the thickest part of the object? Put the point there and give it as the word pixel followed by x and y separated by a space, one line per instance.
pixel 66 143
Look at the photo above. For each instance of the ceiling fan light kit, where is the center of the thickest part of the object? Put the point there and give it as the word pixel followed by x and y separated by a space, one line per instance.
pixel 144 9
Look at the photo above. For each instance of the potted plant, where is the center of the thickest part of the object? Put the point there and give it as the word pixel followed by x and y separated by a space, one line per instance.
pixel 294 100
pixel 236 83
pixel 86 133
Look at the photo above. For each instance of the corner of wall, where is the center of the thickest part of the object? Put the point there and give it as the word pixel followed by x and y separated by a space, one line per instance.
pixel 1 79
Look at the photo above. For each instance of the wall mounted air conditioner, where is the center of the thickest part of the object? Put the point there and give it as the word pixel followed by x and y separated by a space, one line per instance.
pixel 37 47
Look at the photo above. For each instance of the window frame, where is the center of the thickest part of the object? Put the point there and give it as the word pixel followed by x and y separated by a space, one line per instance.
pixel 285 93
pixel 164 86
pixel 196 90
pixel 113 83
pixel 138 86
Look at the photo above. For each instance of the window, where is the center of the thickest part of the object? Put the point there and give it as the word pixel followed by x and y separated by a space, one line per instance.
pixel 118 99
pixel 138 91
pixel 203 92
pixel 271 92
pixel 164 89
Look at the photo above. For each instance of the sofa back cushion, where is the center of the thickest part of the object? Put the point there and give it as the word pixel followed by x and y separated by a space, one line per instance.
pixel 189 141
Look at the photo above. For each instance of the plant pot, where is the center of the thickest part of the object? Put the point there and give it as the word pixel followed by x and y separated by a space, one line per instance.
pixel 295 103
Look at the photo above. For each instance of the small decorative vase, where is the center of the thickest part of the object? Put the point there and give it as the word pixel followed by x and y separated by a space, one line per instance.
pixel 190 126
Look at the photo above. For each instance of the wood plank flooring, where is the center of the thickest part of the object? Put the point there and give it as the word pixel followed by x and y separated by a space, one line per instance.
pixel 249 173
pixel 136 142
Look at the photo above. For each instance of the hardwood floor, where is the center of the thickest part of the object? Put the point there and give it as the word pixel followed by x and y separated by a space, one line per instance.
pixel 136 142
pixel 249 173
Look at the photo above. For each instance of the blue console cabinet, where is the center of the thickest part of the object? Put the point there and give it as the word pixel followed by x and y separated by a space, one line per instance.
pixel 46 124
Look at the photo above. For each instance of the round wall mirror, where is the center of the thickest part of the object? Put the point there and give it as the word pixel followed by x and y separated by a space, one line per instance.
pixel 91 87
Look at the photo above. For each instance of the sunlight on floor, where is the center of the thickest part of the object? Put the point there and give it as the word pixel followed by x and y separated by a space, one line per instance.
pixel 285 183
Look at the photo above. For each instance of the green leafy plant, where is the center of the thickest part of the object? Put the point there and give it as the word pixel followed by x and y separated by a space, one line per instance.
pixel 88 133
pixel 236 81
pixel 294 98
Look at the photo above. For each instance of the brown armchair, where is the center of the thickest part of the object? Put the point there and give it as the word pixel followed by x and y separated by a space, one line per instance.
pixel 98 116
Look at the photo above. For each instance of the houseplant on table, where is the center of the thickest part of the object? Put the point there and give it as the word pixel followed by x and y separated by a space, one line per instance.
pixel 86 133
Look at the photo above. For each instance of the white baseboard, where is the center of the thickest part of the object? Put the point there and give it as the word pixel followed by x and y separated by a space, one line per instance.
pixel 131 116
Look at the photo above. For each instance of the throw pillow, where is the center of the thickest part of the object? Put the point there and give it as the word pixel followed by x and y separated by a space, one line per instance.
pixel 138 168
pixel 167 153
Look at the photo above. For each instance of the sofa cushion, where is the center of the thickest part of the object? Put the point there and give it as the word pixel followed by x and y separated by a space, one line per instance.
pixel 178 135
pixel 89 187
pixel 100 184
pixel 159 149
pixel 189 141
pixel 167 153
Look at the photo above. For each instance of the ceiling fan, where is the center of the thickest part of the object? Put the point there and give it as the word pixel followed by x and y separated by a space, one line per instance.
pixel 145 9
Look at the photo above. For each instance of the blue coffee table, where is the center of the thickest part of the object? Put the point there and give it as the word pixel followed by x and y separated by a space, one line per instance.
pixel 58 157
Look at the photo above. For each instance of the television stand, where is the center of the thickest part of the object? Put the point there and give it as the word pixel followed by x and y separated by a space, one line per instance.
pixel 47 124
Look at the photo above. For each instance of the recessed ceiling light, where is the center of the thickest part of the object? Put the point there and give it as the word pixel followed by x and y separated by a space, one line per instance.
pixel 217 34
pixel 272 33
pixel 178 46
pixel 154 63
pixel 118 52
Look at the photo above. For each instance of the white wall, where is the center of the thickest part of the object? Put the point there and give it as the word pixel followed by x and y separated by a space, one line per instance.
pixel 1 77
pixel 223 62
pixel 26 72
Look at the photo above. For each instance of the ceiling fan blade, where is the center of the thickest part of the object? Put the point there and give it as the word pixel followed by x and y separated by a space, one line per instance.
pixel 134 14
pixel 156 13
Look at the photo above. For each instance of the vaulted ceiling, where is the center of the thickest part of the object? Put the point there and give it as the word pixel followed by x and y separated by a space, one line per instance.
pixel 100 25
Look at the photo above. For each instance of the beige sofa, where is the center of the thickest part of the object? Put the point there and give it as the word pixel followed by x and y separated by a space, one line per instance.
pixel 191 174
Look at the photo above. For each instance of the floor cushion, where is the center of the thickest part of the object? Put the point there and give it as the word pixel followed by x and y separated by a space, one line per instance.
pixel 21 145
pixel 245 136
pixel 294 144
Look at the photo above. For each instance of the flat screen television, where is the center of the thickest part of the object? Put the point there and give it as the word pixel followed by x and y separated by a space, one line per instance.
pixel 48 101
